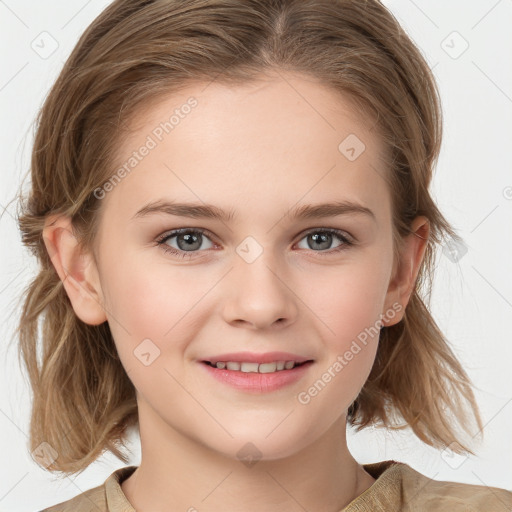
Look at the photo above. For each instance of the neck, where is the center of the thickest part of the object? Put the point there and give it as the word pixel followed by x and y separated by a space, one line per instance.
pixel 178 473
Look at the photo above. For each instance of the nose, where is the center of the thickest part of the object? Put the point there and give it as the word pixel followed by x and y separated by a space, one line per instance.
pixel 259 295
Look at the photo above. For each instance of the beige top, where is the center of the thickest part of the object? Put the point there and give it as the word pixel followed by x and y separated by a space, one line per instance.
pixel 397 487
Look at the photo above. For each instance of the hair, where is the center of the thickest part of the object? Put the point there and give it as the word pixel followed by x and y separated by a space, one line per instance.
pixel 139 51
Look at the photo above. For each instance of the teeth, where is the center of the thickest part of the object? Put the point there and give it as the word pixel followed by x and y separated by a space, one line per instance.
pixel 267 367
pixel 255 367
pixel 249 367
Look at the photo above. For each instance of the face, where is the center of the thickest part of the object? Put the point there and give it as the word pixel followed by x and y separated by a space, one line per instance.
pixel 263 279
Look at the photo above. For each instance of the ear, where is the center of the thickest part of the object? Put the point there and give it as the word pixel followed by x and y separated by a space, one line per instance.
pixel 76 269
pixel 406 270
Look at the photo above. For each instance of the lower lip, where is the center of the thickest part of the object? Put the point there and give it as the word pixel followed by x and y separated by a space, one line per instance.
pixel 258 382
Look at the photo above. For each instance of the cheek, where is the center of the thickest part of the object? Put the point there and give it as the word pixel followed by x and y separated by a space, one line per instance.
pixel 350 313
pixel 153 301
pixel 150 294
pixel 349 300
pixel 353 308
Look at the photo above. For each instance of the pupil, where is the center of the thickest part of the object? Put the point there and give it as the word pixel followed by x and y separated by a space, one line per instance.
pixel 190 239
pixel 322 239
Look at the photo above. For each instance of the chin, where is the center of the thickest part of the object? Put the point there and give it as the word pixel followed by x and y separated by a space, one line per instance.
pixel 259 447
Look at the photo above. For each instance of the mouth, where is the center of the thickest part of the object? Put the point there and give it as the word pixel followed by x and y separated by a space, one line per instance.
pixel 263 373
pixel 255 367
pixel 257 372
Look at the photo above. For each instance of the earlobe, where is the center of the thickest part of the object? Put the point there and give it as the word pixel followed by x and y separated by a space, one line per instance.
pixel 412 253
pixel 76 269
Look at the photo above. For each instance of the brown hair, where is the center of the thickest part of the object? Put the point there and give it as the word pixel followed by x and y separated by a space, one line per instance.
pixel 134 53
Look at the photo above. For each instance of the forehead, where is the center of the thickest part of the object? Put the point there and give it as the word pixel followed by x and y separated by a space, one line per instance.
pixel 275 141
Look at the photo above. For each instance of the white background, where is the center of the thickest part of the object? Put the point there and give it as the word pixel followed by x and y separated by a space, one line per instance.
pixel 472 298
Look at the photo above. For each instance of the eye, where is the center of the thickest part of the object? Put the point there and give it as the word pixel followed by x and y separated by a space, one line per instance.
pixel 323 238
pixel 187 240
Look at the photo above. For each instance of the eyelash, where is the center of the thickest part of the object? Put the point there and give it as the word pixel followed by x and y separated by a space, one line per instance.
pixel 189 254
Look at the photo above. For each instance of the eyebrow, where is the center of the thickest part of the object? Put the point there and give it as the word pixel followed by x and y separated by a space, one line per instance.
pixel 207 211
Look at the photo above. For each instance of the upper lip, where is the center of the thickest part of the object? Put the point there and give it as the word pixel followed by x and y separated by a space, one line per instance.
pixel 252 357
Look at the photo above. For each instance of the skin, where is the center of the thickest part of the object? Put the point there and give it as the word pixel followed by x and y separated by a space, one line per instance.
pixel 258 149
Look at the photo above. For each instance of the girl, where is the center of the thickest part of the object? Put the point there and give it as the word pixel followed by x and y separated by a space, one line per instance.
pixel 230 204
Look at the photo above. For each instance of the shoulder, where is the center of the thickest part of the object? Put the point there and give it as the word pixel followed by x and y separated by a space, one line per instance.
pixel 423 493
pixel 399 487
pixel 92 499
pixel 103 498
